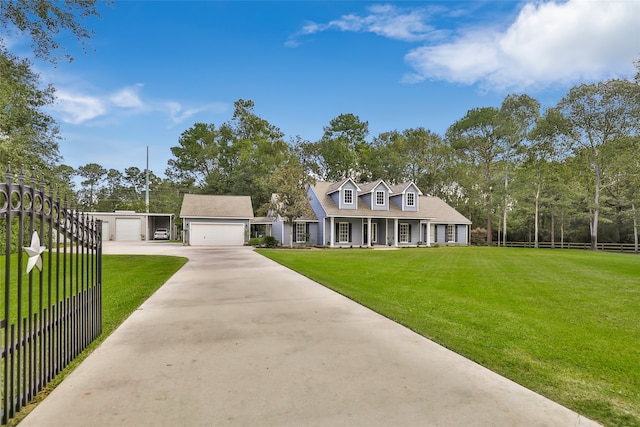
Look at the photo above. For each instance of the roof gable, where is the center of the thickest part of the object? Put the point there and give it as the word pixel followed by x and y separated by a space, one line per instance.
pixel 428 208
pixel 213 206
pixel 371 186
pixel 337 186
pixel 404 187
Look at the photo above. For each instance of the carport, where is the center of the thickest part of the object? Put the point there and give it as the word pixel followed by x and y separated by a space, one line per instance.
pixel 133 226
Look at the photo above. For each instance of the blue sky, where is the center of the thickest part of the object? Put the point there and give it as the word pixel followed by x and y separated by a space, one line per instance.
pixel 157 67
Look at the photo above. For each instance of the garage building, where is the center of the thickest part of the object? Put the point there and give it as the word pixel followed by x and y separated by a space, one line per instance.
pixel 209 220
pixel 133 226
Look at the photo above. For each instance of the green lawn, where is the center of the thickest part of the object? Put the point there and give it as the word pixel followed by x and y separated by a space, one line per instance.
pixel 565 324
pixel 128 280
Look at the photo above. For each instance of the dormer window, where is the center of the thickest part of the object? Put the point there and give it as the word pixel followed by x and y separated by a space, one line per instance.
pixel 411 199
pixel 380 198
pixel 348 196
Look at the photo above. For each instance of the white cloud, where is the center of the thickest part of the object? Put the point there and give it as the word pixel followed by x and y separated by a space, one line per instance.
pixel 179 114
pixel 548 43
pixel 128 97
pixel 384 20
pixel 76 108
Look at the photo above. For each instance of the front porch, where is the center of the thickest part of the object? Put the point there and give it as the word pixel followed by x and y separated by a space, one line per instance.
pixel 369 232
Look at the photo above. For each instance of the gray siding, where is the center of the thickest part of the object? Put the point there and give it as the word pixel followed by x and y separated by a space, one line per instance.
pixel 276 231
pixel 463 239
pixel 320 214
pixel 397 199
pixel 374 206
pixel 414 229
pixel 348 186
pixel 401 199
pixel 412 189
pixel 313 233
pixel 356 231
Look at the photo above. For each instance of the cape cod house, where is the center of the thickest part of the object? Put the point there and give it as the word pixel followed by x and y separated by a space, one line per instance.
pixel 375 213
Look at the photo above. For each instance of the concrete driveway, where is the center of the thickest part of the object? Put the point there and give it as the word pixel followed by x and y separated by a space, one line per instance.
pixel 234 339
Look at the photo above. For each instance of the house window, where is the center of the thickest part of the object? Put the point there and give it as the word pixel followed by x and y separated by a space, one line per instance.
pixel 433 233
pixel 404 233
pixel 411 199
pixel 343 232
pixel 348 196
pixel 301 232
pixel 451 233
pixel 374 232
pixel 380 198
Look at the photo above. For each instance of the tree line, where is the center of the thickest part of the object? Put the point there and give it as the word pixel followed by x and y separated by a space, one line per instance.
pixel 566 173
pixel 520 172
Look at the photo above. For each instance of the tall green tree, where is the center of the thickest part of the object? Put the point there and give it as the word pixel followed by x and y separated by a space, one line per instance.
pixel 387 157
pixel 541 157
pixel 291 200
pixel 596 115
pixel 342 148
pixel 518 115
pixel 418 155
pixel 28 135
pixel 428 160
pixel 255 150
pixel 196 156
pixel 236 158
pixel 624 189
pixel 478 143
pixel 92 175
pixel 43 21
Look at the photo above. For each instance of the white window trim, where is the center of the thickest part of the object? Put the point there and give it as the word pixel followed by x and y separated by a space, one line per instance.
pixel 374 232
pixel 303 226
pixel 380 192
pixel 406 238
pixel 350 192
pixel 342 230
pixel 451 227
pixel 411 201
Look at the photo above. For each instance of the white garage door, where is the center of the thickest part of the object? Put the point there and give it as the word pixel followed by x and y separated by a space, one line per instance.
pixel 127 229
pixel 216 234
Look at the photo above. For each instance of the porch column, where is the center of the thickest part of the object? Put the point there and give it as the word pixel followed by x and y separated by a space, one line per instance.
pixel 395 231
pixel 386 231
pixel 369 232
pixel 428 238
pixel 332 231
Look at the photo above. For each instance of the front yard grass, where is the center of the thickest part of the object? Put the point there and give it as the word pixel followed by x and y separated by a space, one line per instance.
pixel 565 324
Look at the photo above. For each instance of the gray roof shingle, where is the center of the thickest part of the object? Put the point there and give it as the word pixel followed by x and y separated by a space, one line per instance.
pixel 210 206
pixel 430 208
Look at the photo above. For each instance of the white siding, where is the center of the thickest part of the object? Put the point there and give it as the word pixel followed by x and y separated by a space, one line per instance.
pixel 128 229
pixel 208 234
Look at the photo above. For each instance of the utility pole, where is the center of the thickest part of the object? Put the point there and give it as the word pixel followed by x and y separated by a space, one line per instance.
pixel 146 196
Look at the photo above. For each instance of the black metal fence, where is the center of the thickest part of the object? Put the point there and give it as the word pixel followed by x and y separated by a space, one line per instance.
pixel 51 307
